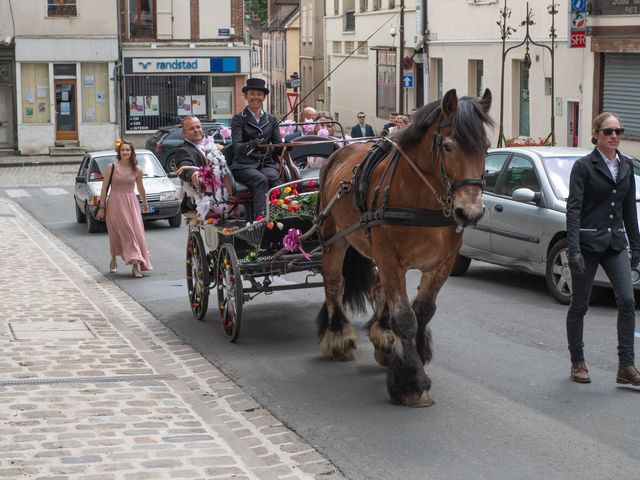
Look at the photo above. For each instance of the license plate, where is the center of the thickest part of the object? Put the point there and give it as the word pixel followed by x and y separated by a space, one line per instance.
pixel 151 209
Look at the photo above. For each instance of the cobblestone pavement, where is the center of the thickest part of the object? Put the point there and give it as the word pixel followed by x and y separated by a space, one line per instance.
pixel 93 387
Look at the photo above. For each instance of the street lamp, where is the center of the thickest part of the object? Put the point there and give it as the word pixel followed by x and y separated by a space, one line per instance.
pixel 505 33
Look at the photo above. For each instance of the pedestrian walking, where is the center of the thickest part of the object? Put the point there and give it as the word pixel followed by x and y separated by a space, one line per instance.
pixel 254 164
pixel 122 211
pixel 601 215
pixel 362 129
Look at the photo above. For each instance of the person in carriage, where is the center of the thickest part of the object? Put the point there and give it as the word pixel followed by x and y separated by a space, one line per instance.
pixel 254 164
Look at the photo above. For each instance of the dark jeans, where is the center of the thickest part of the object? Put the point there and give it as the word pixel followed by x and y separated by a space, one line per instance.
pixel 616 266
pixel 259 181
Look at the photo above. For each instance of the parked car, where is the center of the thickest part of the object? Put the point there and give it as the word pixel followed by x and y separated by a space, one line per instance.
pixel 161 192
pixel 165 142
pixel 524 226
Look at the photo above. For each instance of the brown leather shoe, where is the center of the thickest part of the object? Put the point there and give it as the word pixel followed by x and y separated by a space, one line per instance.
pixel 579 372
pixel 629 375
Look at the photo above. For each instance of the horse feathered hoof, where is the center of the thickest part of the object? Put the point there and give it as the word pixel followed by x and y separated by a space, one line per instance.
pixel 340 345
pixel 416 400
pixel 381 357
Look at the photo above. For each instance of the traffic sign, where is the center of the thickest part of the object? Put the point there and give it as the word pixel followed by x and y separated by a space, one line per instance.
pixel 292 98
pixel 407 81
pixel 578 5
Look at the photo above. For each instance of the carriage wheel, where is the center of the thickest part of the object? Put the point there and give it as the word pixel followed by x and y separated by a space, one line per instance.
pixel 230 294
pixel 197 275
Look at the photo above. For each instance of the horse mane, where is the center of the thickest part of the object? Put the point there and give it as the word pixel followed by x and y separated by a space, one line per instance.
pixel 468 122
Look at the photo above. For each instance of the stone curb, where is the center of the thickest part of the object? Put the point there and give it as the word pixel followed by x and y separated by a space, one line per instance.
pixel 38 161
pixel 265 446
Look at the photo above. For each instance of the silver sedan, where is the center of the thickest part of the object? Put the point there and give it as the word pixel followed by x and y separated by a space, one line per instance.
pixel 161 192
pixel 524 226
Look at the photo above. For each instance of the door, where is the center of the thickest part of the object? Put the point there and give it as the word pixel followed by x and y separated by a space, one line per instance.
pixel 222 104
pixel 6 118
pixel 573 127
pixel 516 227
pixel 66 114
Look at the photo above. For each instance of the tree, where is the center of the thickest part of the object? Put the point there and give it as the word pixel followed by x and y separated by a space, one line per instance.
pixel 256 8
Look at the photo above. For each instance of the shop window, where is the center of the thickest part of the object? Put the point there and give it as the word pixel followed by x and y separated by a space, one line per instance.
pixel 95 92
pixel 62 8
pixel 142 18
pixel 386 81
pixel 35 93
pixel 156 101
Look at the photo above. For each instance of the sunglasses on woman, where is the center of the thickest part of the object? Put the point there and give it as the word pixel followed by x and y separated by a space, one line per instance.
pixel 609 131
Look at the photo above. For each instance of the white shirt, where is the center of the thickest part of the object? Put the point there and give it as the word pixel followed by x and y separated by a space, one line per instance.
pixel 613 165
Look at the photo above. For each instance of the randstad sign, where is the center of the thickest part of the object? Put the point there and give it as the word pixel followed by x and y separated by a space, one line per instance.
pixel 170 65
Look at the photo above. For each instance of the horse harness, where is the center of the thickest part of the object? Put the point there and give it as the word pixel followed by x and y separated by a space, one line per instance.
pixel 373 215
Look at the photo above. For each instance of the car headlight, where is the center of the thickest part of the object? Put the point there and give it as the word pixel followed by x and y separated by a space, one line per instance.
pixel 167 196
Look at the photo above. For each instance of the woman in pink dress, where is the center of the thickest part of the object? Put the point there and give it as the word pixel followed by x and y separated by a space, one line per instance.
pixel 124 220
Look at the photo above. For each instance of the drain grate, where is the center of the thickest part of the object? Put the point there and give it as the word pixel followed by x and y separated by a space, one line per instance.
pixel 54 381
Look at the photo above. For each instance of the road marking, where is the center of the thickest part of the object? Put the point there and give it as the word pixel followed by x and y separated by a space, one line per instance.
pixel 55 191
pixel 18 193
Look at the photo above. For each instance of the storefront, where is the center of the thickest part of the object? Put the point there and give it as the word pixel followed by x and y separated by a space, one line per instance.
pixel 161 90
pixel 65 94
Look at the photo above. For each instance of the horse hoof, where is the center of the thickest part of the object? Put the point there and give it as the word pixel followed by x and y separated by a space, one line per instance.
pixel 347 356
pixel 417 401
pixel 381 358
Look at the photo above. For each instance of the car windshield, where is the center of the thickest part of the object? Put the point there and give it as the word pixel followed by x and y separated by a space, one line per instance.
pixel 149 164
pixel 559 170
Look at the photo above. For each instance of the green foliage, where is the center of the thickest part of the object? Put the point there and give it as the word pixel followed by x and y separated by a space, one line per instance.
pixel 256 8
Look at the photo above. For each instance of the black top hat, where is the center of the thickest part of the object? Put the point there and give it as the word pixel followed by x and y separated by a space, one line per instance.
pixel 255 84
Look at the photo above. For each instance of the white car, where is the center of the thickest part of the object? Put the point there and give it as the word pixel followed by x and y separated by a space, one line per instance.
pixel 161 192
pixel 524 225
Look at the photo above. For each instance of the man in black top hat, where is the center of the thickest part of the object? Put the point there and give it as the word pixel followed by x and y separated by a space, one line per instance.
pixel 254 164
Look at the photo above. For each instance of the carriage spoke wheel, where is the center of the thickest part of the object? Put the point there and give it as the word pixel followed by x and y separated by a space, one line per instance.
pixel 197 275
pixel 230 294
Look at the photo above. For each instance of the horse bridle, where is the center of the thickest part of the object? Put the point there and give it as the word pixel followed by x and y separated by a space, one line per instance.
pixel 437 151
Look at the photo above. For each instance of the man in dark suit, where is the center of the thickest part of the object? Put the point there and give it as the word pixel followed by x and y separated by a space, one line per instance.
pixel 362 129
pixel 254 164
pixel 601 216
pixel 189 154
pixel 386 128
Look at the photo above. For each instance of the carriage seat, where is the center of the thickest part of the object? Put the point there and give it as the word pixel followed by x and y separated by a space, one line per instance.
pixel 299 153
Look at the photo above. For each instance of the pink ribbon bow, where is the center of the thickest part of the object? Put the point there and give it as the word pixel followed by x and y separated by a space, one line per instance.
pixel 292 243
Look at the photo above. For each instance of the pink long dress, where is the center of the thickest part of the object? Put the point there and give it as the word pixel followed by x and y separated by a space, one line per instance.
pixel 124 220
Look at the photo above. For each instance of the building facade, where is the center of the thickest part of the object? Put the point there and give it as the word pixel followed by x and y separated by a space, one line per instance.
pixel 612 72
pixel 312 53
pixel 61 75
pixel 373 42
pixel 181 57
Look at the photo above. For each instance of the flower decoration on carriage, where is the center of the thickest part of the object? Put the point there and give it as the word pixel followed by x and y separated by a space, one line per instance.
pixel 309 126
pixel 323 132
pixel 292 242
pixel 287 128
pixel 225 133
pixel 290 202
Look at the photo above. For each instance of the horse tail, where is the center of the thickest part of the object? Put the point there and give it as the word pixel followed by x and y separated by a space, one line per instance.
pixel 359 275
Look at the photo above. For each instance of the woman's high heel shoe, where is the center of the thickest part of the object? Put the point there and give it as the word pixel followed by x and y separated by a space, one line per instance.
pixel 136 271
pixel 113 266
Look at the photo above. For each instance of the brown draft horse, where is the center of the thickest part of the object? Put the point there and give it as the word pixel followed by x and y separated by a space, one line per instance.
pixel 440 169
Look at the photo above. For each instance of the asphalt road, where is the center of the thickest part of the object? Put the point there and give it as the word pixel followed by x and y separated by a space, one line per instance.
pixel 505 407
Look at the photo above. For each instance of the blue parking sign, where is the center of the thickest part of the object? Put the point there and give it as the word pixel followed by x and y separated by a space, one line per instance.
pixel 578 5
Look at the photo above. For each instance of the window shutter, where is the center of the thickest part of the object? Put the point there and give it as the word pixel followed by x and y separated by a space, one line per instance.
pixel 620 90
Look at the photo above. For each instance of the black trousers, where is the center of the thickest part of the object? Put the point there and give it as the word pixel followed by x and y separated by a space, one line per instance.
pixel 259 180
pixel 616 266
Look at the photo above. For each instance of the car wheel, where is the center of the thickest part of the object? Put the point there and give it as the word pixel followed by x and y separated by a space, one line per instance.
pixel 461 266
pixel 175 221
pixel 558 275
pixel 80 216
pixel 93 225
pixel 171 163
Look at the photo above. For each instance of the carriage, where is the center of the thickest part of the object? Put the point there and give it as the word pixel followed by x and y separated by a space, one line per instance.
pixel 382 209
pixel 233 259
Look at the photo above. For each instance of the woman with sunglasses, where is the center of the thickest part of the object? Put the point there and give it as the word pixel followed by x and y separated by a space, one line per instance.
pixel 601 215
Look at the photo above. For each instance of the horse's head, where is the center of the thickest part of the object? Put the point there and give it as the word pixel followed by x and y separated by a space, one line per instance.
pixel 459 146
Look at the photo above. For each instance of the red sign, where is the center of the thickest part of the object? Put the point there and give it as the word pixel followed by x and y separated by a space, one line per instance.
pixel 292 98
pixel 578 39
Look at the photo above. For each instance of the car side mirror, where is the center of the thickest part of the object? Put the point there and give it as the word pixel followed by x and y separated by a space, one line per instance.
pixel 81 179
pixel 526 195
